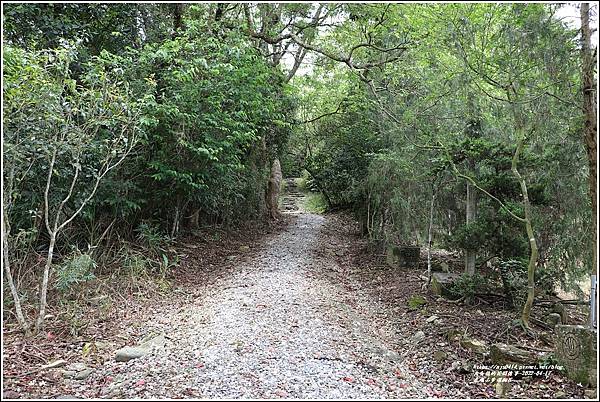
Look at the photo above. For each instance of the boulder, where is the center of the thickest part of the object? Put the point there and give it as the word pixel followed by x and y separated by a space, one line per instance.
pixel 441 283
pixel 554 319
pixel 501 353
pixel 474 345
pixel 403 256
pixel 576 348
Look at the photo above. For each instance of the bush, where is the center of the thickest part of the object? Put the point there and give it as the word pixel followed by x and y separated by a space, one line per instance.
pixel 77 269
pixel 467 286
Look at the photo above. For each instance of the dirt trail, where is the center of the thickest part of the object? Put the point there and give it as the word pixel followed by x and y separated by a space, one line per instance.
pixel 276 327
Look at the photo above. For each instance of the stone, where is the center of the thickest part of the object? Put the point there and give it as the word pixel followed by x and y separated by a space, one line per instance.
pixel 441 283
pixel 440 355
pixel 503 388
pixel 244 248
pixel 461 367
pixel 403 256
pixel 273 189
pixel 474 345
pixel 444 267
pixel 82 375
pixel 576 350
pixel 130 352
pixel 590 393
pixel 553 319
pixel 432 318
pixel 77 371
pixel 10 394
pixel 133 352
pixel 418 336
pixel 453 334
pixel 501 353
pixel 559 308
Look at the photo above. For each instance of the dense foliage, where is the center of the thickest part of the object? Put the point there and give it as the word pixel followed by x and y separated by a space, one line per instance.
pixel 140 122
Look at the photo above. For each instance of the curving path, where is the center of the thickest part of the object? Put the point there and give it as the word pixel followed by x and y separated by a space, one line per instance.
pixel 276 328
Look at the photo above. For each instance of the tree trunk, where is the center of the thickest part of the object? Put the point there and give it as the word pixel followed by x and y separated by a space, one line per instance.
pixel 11 283
pixel 177 18
pixel 44 289
pixel 590 123
pixel 470 255
pixel 533 256
pixel 429 233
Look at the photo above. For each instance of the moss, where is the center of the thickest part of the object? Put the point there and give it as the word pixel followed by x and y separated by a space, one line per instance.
pixel 416 301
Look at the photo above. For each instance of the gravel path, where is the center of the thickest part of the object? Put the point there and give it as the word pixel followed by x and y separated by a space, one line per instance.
pixel 277 327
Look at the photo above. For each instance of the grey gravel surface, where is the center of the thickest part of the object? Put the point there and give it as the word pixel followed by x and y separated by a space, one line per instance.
pixel 275 328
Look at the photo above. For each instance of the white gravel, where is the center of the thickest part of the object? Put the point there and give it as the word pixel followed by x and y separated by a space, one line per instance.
pixel 275 328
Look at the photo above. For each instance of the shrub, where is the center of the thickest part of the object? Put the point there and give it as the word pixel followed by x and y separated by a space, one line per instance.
pixel 77 269
pixel 467 286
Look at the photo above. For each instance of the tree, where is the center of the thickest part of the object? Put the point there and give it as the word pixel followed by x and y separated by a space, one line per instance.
pixel 590 134
pixel 73 134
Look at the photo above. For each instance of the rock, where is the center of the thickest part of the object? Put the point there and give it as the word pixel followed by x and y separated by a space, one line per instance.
pixel 474 345
pixel 576 348
pixel 590 393
pixel 432 318
pixel 10 394
pixel 77 371
pixel 244 248
pixel 82 375
pixel 441 283
pixel 461 367
pixel 560 395
pixel 133 352
pixel 501 353
pixel 418 336
pixel 440 266
pixel 403 256
pixel 559 308
pixel 553 319
pixel 440 355
pixel 453 334
pixel 503 388
pixel 130 352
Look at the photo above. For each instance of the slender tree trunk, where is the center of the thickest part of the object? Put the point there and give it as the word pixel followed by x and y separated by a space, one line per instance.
pixel 429 233
pixel 533 256
pixel 590 123
pixel 470 255
pixel 44 289
pixel 11 283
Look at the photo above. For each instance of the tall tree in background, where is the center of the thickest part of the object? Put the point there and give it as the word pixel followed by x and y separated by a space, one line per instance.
pixel 590 134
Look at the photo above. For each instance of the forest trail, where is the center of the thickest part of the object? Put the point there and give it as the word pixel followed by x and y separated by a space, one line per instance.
pixel 276 327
